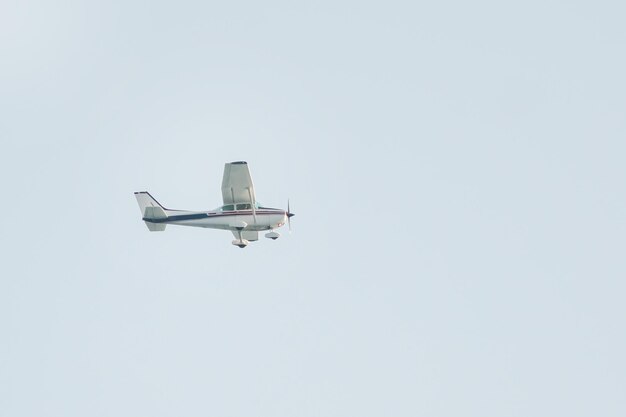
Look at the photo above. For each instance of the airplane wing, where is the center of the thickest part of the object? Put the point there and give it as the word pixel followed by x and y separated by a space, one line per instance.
pixel 237 184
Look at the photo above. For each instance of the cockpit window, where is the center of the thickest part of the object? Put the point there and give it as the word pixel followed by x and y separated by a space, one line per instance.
pixel 241 206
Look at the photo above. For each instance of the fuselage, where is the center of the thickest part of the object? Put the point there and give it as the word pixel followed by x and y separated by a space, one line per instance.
pixel 261 219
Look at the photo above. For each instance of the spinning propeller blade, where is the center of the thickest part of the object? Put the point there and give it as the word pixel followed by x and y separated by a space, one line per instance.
pixel 289 214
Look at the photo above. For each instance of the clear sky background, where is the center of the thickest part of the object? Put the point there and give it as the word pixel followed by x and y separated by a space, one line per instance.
pixel 457 173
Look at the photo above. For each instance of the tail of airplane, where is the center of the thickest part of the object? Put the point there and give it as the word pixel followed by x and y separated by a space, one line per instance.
pixel 151 210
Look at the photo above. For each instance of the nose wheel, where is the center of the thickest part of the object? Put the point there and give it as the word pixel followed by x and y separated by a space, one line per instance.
pixel 272 235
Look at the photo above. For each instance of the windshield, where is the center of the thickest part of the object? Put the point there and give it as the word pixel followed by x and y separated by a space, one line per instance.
pixel 240 206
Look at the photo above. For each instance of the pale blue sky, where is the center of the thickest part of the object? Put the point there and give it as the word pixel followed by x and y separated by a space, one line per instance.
pixel 457 171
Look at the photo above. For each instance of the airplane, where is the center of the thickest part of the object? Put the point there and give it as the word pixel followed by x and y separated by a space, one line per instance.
pixel 241 213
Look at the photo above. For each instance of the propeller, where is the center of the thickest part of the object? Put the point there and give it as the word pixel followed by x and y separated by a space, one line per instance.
pixel 289 215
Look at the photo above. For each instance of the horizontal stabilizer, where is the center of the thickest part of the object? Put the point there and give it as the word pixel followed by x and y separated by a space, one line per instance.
pixel 156 227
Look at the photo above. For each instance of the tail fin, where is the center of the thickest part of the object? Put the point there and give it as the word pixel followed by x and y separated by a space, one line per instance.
pixel 155 227
pixel 151 210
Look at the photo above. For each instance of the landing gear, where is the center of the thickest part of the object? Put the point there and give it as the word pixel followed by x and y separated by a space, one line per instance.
pixel 272 235
pixel 241 242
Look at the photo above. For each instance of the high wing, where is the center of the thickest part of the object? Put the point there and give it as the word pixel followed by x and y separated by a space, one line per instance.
pixel 237 184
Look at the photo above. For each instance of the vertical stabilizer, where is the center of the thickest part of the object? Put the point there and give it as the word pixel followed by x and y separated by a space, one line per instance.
pixel 152 212
pixel 155 227
pixel 144 199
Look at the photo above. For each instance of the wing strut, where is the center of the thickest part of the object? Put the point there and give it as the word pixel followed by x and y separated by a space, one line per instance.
pixel 253 204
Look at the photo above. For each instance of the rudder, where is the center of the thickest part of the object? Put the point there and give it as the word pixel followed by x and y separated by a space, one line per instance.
pixel 144 199
pixel 151 210
pixel 155 227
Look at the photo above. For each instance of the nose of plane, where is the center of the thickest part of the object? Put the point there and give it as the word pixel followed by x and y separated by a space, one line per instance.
pixel 288 213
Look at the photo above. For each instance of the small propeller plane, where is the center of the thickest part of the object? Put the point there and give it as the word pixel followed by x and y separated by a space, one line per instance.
pixel 241 213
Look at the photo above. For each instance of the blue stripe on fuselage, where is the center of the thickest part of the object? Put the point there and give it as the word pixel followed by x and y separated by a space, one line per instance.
pixel 196 216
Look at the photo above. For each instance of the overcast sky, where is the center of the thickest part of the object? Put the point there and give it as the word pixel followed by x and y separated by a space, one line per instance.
pixel 457 173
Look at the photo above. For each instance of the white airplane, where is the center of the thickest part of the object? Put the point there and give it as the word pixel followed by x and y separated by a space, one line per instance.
pixel 241 213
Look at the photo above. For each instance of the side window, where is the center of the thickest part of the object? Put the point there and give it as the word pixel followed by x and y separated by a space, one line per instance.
pixel 244 206
pixel 228 207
